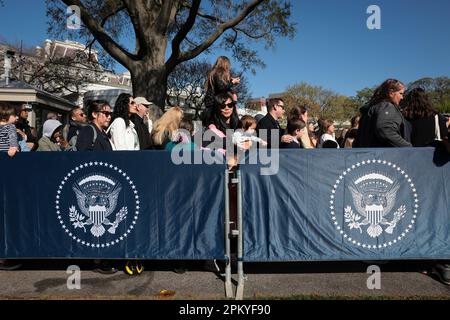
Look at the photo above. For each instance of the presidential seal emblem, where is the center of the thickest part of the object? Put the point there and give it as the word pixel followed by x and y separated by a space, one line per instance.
pixel 92 206
pixel 374 204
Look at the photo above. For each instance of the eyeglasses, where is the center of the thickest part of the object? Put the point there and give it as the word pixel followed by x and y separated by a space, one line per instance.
pixel 227 105
pixel 106 113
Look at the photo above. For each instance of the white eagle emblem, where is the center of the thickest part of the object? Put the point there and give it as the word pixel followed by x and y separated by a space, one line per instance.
pixel 374 197
pixel 97 199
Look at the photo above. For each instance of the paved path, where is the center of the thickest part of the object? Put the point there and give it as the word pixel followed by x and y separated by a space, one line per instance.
pixel 45 280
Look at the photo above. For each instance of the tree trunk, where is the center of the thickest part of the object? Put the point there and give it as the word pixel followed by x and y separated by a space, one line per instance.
pixel 150 82
pixel 149 75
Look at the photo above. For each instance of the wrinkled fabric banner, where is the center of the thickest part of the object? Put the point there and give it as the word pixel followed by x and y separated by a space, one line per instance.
pixel 110 205
pixel 348 205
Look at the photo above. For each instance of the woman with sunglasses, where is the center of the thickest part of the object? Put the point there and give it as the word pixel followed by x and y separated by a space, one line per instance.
pixel 93 137
pixel 122 131
pixel 223 117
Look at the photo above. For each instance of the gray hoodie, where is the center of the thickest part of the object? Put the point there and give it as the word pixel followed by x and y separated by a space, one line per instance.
pixel 45 143
pixel 49 127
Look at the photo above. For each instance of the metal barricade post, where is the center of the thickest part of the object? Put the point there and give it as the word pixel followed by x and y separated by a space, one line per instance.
pixel 240 260
pixel 228 285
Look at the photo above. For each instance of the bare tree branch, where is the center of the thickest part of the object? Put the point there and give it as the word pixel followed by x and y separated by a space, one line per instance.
pixel 167 11
pixel 139 16
pixel 218 20
pixel 182 33
pixel 102 24
pixel 220 30
pixel 111 46
pixel 156 22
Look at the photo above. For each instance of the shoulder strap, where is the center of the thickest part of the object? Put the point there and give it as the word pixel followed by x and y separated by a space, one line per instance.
pixel 113 124
pixel 95 134
pixel 66 131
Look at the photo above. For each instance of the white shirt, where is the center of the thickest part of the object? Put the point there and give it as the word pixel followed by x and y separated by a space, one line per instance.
pixel 240 137
pixel 325 137
pixel 123 137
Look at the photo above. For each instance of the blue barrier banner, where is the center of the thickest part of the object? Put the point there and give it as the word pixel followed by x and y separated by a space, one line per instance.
pixel 348 205
pixel 110 205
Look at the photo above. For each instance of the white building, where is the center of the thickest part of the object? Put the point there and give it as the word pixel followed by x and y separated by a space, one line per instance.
pixel 24 65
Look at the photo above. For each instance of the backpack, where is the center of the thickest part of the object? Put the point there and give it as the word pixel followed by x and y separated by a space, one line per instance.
pixel 73 140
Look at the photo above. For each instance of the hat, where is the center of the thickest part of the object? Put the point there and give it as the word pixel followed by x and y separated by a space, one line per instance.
pixel 26 107
pixel 142 100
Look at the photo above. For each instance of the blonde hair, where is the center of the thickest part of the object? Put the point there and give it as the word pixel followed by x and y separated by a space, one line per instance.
pixel 166 125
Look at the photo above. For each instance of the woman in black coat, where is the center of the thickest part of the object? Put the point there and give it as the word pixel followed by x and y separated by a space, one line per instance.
pixel 428 125
pixel 223 117
pixel 93 137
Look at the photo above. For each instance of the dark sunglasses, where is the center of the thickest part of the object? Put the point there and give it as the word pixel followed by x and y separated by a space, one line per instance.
pixel 227 105
pixel 106 113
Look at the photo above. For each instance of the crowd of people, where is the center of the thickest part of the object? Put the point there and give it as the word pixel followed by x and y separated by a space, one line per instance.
pixel 392 118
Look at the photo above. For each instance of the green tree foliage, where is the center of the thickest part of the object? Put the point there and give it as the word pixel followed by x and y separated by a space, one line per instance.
pixel 438 89
pixel 322 103
pixel 363 96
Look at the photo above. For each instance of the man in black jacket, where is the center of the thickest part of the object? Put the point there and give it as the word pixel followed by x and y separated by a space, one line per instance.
pixel 78 119
pixel 23 125
pixel 269 123
pixel 145 140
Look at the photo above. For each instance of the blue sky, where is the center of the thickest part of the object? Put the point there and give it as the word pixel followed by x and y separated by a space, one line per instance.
pixel 333 46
